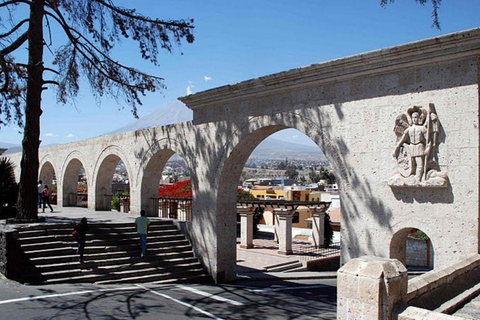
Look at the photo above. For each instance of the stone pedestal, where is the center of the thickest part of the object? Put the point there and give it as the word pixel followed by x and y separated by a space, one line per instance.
pixel 246 227
pixel 284 231
pixel 371 288
pixel 318 228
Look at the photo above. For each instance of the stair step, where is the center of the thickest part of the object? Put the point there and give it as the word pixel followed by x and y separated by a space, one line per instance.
pixel 102 255
pixel 111 278
pixel 300 268
pixel 285 266
pixel 111 254
pixel 109 260
pixel 99 246
pixel 65 229
pixel 155 278
pixel 67 237
pixel 125 268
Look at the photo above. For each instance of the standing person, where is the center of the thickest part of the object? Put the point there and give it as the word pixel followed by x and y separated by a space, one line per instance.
pixel 80 234
pixel 142 223
pixel 40 193
pixel 46 198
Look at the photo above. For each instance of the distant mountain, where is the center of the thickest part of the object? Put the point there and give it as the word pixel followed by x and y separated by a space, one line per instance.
pixel 271 148
pixel 11 148
pixel 4 145
pixel 173 112
pixel 176 112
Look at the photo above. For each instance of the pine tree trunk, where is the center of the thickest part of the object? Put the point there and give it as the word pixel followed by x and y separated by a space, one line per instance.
pixel 27 197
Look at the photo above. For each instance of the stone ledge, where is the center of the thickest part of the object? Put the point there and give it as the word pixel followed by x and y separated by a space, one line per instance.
pixel 425 285
pixel 414 313
pixel 433 50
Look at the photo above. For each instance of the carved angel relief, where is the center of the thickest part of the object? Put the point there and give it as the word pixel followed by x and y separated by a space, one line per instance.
pixel 416 150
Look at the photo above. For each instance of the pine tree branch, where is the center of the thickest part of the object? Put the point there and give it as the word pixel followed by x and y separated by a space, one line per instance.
pixel 129 14
pixel 4 35
pixel 14 2
pixel 6 76
pixel 15 44
pixel 86 51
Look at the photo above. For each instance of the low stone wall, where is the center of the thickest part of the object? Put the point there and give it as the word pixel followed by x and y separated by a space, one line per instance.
pixel 413 313
pixel 376 288
pixel 324 264
pixel 10 253
pixel 430 290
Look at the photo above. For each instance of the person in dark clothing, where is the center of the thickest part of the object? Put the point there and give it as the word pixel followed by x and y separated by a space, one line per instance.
pixel 46 198
pixel 40 187
pixel 80 233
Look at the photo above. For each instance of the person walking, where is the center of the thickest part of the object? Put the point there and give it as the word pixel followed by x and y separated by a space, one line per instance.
pixel 40 193
pixel 80 234
pixel 142 223
pixel 46 198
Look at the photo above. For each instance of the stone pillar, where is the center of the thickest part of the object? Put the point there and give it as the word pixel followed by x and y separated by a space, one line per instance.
pixel 318 227
pixel 275 225
pixel 284 231
pixel 371 288
pixel 246 227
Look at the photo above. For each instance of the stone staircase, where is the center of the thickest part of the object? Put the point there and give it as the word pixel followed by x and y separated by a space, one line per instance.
pixel 290 266
pixel 112 255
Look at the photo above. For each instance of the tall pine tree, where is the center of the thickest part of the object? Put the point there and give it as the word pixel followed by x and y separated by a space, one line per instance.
pixel 92 28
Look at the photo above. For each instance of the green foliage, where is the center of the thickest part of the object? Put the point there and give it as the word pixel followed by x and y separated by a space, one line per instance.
pixel 257 217
pixel 435 5
pixel 323 174
pixel 116 202
pixel 421 235
pixel 8 186
pixel 244 195
pixel 291 172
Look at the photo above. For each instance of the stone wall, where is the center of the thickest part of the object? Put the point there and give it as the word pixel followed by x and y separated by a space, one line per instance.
pixel 10 253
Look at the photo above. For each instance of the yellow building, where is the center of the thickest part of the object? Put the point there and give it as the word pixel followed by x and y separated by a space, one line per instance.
pixel 298 195
pixel 268 193
pixel 299 220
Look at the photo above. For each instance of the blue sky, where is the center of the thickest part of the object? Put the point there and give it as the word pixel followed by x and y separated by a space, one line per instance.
pixel 241 40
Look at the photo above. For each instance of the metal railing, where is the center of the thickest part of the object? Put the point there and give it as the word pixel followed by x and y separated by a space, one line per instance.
pixel 310 252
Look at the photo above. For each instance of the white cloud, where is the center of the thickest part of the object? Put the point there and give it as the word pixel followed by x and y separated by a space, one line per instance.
pixel 49 134
pixel 190 87
pixel 207 78
pixel 70 135
pixel 295 136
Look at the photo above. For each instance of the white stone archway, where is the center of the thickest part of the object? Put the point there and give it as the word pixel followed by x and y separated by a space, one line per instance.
pixel 411 252
pixel 240 147
pixel 99 196
pixel 67 190
pixel 47 170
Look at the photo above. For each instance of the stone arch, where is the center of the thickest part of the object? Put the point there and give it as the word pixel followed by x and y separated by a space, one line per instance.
pixel 412 252
pixel 239 147
pixel 71 168
pixel 47 170
pixel 103 173
pixel 150 171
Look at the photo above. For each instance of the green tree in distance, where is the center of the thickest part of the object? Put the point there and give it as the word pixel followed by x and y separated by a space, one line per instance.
pixel 92 29
pixel 435 6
